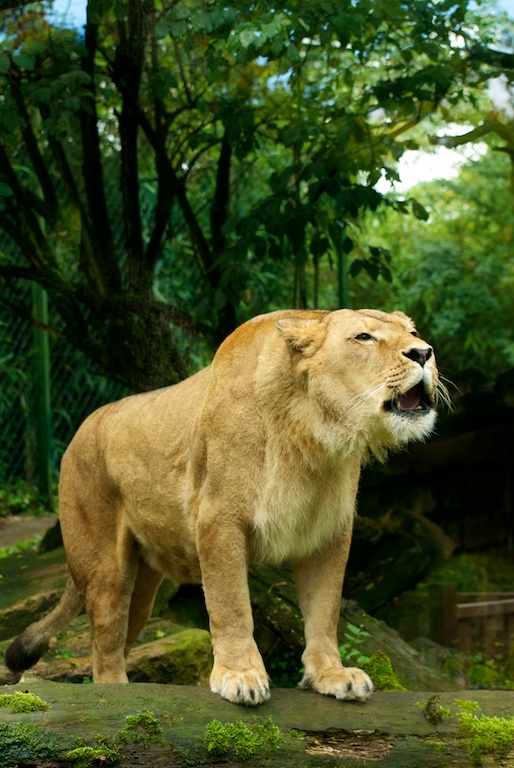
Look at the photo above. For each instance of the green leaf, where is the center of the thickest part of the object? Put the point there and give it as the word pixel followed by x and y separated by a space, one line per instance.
pixel 10 120
pixel 33 47
pixel 347 245
pixel 5 190
pixel 356 267
pixel 419 211
pixel 162 29
pixel 247 37
pixel 293 53
pixel 26 61
pixel 178 29
pixel 374 177
pixel 319 246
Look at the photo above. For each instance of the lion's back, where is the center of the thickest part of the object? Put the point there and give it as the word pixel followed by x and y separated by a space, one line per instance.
pixel 141 430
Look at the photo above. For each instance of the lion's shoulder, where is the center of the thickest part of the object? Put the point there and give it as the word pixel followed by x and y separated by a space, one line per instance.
pixel 249 337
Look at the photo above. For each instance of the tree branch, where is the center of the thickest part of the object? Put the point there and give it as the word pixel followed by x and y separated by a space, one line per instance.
pixel 175 183
pixel 499 59
pixel 219 207
pixel 32 146
pixel 162 214
pixel 25 229
pixel 70 185
pixel 491 124
pixel 456 141
pixel 128 65
pixel 5 5
pixel 165 196
pixel 101 265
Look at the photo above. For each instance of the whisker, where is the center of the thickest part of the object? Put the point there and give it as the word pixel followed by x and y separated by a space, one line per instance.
pixel 443 395
pixel 448 381
pixel 369 393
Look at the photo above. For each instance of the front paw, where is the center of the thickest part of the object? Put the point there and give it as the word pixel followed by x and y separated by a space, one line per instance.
pixel 346 683
pixel 248 686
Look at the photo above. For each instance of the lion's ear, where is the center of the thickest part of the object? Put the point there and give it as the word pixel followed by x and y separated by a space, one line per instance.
pixel 403 316
pixel 302 335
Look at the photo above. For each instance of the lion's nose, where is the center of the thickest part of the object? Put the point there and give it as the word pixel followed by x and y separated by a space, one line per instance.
pixel 418 354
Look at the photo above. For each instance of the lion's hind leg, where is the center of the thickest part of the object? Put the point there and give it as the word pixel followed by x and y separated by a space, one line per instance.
pixel 145 589
pixel 119 598
pixel 108 595
pixel 108 605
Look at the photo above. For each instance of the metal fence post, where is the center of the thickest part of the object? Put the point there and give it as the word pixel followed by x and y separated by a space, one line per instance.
pixel 42 405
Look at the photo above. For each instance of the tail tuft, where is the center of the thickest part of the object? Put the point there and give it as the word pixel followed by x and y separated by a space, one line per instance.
pixel 22 654
pixel 33 642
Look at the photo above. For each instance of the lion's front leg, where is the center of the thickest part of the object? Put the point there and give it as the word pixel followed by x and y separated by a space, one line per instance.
pixel 238 673
pixel 319 581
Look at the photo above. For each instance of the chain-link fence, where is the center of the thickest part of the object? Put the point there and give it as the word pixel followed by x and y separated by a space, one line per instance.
pixel 74 390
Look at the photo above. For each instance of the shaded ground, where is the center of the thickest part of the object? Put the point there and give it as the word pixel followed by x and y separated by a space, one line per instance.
pixel 16 528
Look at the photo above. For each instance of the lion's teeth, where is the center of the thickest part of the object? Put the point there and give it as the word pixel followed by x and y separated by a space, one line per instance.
pixel 418 408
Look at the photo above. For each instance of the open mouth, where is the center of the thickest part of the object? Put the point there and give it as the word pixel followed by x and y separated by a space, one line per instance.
pixel 413 402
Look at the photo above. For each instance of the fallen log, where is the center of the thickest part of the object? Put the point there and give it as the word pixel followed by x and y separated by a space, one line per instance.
pixel 390 730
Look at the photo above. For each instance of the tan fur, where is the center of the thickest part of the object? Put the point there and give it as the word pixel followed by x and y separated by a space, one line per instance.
pixel 256 458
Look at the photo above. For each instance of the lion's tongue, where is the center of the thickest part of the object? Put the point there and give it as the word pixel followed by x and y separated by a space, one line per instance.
pixel 411 399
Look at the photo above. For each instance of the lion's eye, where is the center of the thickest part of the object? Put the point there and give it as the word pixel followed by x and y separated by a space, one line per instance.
pixel 414 333
pixel 365 337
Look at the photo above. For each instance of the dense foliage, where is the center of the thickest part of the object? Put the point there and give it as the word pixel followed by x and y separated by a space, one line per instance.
pixel 183 165
pixel 455 273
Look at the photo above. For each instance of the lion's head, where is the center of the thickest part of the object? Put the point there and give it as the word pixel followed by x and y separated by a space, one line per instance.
pixel 374 378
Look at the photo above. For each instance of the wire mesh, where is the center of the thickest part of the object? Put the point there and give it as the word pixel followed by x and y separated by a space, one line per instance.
pixel 76 389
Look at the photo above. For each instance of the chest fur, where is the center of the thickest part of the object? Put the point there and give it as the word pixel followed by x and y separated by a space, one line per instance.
pixel 295 517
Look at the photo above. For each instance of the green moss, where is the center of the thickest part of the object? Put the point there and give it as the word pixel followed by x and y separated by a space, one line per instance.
pixel 467 706
pixel 261 737
pixel 22 743
pixel 485 735
pixel 433 711
pixel 217 738
pixel 84 757
pixel 143 727
pixel 380 670
pixel 23 701
pixel 489 673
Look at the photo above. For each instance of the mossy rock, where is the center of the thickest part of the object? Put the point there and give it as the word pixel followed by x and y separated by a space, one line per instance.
pixel 381 672
pixel 164 653
pixel 30 586
pixel 183 657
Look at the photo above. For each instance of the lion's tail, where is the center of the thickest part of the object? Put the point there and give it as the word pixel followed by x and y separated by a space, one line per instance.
pixel 33 642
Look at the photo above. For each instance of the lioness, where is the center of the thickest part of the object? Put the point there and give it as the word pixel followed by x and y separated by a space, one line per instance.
pixel 256 458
